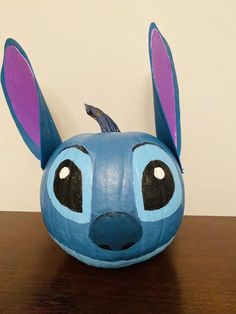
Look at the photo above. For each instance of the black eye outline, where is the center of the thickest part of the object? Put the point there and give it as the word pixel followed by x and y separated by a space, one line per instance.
pixel 157 192
pixel 84 161
pixel 142 154
pixel 68 189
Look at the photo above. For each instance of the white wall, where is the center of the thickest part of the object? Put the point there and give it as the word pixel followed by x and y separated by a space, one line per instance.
pixel 96 52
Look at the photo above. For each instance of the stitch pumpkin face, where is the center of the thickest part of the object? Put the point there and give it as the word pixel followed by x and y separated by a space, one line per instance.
pixel 112 225
pixel 110 199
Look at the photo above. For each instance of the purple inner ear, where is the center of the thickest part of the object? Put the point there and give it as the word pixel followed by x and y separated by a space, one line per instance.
pixel 22 92
pixel 163 78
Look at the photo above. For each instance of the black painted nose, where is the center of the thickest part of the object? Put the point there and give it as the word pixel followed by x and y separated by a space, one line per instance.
pixel 115 231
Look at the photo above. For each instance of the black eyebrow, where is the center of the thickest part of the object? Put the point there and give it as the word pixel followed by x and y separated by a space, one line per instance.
pixel 141 144
pixel 80 147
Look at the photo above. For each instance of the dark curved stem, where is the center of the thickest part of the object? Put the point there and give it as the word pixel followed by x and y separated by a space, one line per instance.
pixel 105 122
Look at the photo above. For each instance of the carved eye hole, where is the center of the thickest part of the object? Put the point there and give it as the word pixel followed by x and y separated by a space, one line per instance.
pixel 68 185
pixel 157 185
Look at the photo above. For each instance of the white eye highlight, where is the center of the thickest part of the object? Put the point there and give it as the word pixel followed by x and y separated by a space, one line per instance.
pixel 64 172
pixel 159 173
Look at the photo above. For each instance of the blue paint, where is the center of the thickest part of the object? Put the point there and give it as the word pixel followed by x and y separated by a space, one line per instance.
pixel 162 128
pixel 115 231
pixel 141 157
pixel 49 136
pixel 113 213
pixel 123 263
pixel 111 156
pixel 105 122
pixel 83 162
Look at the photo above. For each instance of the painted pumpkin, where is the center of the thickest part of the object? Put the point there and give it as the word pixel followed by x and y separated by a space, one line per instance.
pixel 110 199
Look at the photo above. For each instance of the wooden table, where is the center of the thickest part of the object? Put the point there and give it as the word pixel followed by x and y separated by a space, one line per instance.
pixel 196 274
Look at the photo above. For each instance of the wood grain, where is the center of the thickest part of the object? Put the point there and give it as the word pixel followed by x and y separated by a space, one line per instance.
pixel 196 274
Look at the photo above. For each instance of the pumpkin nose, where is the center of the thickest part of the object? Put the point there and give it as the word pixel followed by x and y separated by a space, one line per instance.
pixel 115 231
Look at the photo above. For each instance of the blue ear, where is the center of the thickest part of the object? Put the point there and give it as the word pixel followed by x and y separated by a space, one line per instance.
pixel 165 91
pixel 26 103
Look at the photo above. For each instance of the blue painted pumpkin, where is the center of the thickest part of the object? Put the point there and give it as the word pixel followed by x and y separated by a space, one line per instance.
pixel 110 199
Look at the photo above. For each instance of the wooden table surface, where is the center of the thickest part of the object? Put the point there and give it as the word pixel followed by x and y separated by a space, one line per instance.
pixel 196 274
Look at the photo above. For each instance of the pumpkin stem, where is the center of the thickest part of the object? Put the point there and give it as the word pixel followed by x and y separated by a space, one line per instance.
pixel 105 122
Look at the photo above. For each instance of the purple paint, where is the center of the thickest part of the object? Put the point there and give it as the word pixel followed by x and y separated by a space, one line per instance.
pixel 22 91
pixel 163 77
